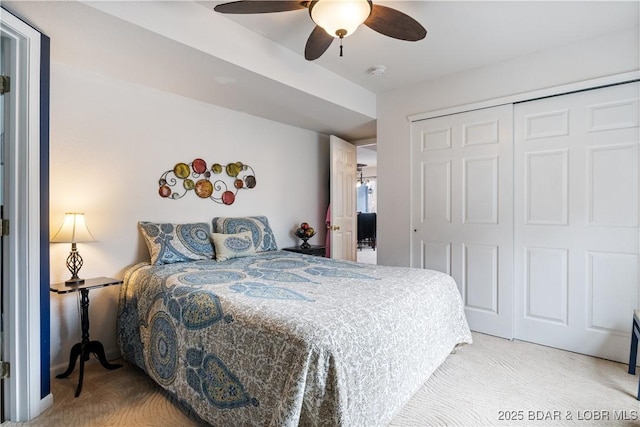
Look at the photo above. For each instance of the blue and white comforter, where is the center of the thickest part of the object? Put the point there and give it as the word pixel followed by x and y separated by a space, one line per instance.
pixel 284 339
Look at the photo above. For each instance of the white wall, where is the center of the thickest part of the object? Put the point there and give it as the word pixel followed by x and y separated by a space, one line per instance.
pixel 111 141
pixel 614 54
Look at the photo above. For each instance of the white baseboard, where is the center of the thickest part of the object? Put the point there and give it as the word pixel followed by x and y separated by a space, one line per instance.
pixel 43 405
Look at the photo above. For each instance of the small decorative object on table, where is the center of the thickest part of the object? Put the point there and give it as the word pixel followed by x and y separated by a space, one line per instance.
pixel 305 232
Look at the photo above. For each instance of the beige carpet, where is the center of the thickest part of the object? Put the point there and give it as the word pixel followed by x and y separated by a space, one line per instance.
pixel 491 382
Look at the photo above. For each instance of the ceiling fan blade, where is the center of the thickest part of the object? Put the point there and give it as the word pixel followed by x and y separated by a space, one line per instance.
pixel 245 7
pixel 317 44
pixel 393 23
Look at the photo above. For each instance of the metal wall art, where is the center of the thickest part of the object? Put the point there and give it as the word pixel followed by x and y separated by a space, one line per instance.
pixel 177 182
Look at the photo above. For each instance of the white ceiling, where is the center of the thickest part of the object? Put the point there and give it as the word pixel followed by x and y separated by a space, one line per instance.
pixel 461 35
pixel 367 155
pixel 255 63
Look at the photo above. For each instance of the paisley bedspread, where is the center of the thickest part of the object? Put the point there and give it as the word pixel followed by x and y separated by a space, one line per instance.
pixel 283 339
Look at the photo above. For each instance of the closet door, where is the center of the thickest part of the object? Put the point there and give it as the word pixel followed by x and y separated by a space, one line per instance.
pixel 576 220
pixel 462 215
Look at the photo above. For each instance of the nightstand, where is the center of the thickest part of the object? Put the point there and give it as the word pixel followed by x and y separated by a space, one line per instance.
pixel 85 347
pixel 316 250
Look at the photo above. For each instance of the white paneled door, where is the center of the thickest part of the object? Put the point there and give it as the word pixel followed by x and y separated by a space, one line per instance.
pixel 462 209
pixel 343 199
pixel 576 220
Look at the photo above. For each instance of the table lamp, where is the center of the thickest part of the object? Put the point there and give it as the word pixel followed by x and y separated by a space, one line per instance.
pixel 73 230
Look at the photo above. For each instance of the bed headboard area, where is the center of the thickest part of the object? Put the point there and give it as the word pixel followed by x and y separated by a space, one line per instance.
pixel 227 237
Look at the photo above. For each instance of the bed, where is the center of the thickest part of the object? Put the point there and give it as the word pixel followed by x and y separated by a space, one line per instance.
pixel 281 338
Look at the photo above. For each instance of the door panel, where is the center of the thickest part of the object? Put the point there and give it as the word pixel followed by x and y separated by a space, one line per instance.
pixel 462 213
pixel 576 220
pixel 343 199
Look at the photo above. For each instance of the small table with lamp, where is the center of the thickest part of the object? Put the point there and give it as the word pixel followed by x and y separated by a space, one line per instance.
pixel 74 230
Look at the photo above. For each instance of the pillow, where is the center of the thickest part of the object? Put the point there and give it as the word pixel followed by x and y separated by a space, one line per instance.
pixel 232 245
pixel 169 243
pixel 261 233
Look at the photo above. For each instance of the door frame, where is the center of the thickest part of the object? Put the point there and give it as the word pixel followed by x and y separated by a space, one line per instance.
pixel 26 294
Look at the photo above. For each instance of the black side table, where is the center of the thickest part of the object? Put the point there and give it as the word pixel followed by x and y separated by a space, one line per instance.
pixel 85 347
pixel 317 250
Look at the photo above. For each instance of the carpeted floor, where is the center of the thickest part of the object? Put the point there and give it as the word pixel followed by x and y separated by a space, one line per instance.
pixel 491 382
pixel 367 255
pixel 499 382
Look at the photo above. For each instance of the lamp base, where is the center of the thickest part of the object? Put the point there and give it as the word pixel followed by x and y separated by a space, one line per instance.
pixel 74 263
pixel 73 282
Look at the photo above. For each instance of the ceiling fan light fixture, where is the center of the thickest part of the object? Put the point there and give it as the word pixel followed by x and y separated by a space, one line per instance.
pixel 340 18
pixel 335 19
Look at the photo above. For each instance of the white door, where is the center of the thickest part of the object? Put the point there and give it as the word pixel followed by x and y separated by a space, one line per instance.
pixel 576 220
pixel 343 199
pixel 462 215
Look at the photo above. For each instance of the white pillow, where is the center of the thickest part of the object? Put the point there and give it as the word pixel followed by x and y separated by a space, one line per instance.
pixel 229 246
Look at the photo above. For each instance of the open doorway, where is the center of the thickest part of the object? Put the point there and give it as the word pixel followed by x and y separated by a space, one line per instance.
pixel 367 197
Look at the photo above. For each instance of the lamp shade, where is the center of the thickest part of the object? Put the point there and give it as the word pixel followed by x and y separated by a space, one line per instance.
pixel 340 18
pixel 74 230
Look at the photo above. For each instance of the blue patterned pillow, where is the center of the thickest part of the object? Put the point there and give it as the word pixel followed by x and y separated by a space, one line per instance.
pixel 261 233
pixel 169 243
pixel 233 245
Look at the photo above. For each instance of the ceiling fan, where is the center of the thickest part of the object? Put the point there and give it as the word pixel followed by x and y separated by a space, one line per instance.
pixel 336 19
